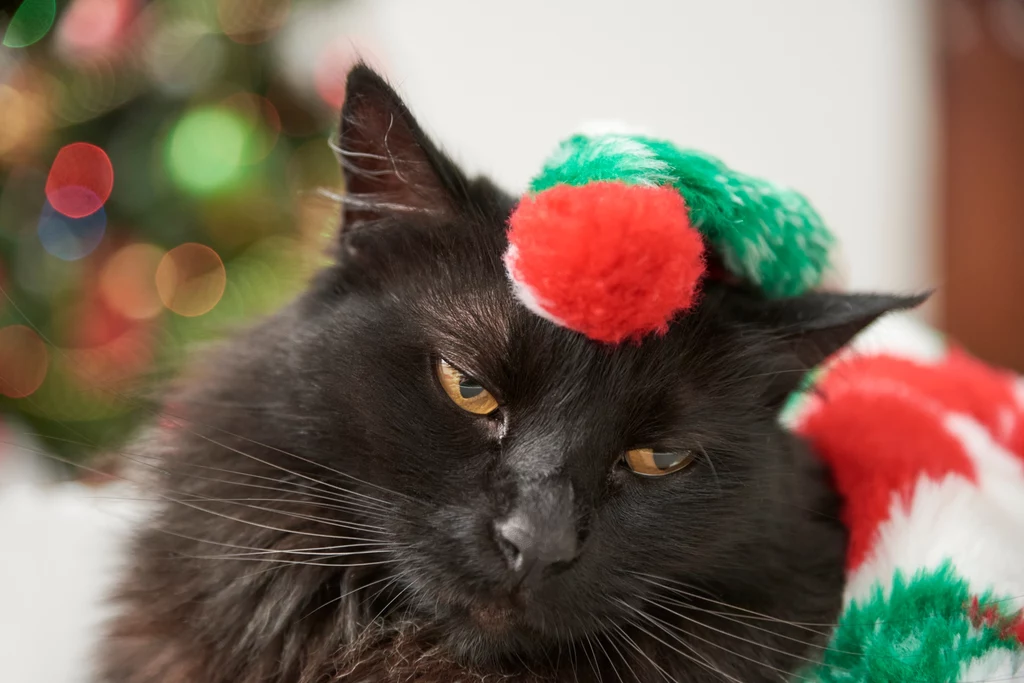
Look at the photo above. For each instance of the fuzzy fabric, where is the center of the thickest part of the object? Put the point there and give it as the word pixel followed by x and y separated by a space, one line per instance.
pixel 927 449
pixel 606 259
pixel 765 234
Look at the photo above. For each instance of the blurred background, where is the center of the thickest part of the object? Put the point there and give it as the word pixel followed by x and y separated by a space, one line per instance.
pixel 165 175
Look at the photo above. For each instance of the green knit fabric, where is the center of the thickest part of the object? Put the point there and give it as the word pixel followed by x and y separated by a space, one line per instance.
pixel 919 630
pixel 765 234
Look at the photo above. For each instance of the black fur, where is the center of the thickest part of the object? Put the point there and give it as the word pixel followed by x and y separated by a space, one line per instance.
pixel 325 426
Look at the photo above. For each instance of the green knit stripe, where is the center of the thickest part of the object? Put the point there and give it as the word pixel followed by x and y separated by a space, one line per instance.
pixel 765 234
pixel 920 629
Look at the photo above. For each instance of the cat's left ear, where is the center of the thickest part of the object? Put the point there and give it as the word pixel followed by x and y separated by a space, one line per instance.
pixel 390 166
pixel 812 327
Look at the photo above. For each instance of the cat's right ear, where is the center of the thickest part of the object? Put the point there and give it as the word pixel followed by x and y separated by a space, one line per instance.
pixel 808 329
pixel 390 167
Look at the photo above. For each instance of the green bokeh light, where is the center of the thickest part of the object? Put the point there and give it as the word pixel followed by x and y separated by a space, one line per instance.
pixel 206 150
pixel 30 23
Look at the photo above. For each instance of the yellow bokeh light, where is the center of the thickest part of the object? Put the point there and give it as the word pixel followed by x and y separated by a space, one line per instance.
pixel 128 281
pixel 250 22
pixel 190 279
pixel 24 117
pixel 23 361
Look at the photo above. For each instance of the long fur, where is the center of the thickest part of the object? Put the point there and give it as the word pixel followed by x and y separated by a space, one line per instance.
pixel 326 511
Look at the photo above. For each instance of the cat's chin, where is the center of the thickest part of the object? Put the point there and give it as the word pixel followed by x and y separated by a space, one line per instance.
pixel 486 632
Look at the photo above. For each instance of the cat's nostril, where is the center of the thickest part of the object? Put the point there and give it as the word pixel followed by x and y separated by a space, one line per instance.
pixel 528 549
pixel 510 551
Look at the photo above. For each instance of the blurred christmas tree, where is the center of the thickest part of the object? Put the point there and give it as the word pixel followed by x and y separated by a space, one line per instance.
pixel 159 178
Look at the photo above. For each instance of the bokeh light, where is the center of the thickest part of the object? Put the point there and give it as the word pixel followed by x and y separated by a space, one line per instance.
pixel 191 279
pixel 183 55
pixel 80 181
pixel 67 238
pixel 23 361
pixel 128 281
pixel 206 150
pixel 331 67
pixel 22 199
pixel 24 117
pixel 313 166
pixel 263 124
pixel 103 347
pixel 250 22
pixel 91 27
pixel 241 218
pixel 30 23
pixel 4 287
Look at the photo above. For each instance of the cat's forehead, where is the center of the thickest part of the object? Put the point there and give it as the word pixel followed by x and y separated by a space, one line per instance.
pixel 472 321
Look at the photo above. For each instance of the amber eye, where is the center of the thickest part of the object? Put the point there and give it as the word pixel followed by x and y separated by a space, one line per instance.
pixel 466 392
pixel 651 463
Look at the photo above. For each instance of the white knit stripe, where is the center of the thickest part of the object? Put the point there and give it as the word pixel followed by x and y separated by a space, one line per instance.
pixel 633 155
pixel 522 291
pixel 997 665
pixel 900 335
pixel 977 526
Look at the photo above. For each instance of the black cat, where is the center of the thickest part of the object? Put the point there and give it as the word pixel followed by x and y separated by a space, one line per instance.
pixel 335 509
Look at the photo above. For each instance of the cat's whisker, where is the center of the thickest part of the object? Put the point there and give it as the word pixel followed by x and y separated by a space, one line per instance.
pixel 740 618
pixel 661 581
pixel 592 657
pixel 261 526
pixel 294 562
pixel 632 643
pixel 308 503
pixel 381 509
pixel 694 652
pixel 743 620
pixel 666 626
pixel 693 655
pixel 366 201
pixel 625 661
pixel 380 506
pixel 385 608
pixel 291 455
pixel 285 513
pixel 231 556
pixel 344 595
pixel 194 497
pixel 711 466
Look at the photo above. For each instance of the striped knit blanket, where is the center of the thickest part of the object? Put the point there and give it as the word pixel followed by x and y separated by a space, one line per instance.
pixel 926 445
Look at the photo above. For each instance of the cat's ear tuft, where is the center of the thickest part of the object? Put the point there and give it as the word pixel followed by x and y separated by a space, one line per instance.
pixel 813 327
pixel 389 165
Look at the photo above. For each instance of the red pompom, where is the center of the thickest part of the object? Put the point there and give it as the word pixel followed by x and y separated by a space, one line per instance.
pixel 610 260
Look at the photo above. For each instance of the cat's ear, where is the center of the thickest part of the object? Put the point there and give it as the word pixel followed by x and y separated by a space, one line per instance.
pixel 813 327
pixel 390 167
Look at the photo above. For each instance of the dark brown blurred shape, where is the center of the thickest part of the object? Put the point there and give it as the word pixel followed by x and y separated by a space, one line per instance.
pixel 982 191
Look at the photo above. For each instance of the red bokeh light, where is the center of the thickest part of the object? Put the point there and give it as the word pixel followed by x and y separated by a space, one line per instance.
pixel 80 181
pixel 334 62
pixel 23 361
pixel 92 27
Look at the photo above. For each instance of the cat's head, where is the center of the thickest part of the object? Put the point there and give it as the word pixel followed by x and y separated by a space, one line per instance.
pixel 529 485
pixel 542 475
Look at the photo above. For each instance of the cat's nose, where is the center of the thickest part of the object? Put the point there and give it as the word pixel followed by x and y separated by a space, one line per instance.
pixel 529 550
pixel 539 534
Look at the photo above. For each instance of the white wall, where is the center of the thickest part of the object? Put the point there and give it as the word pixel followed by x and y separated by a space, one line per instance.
pixel 832 97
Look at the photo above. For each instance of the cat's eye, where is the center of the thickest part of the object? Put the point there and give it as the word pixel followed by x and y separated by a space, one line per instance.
pixel 651 463
pixel 465 391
